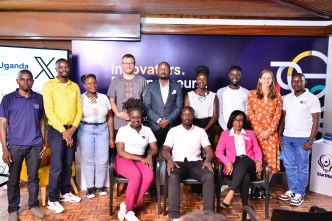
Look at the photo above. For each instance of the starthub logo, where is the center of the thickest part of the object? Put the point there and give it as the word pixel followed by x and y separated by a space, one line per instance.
pixel 325 162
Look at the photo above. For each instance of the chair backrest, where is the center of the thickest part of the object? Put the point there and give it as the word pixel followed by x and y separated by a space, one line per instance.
pixel 288 215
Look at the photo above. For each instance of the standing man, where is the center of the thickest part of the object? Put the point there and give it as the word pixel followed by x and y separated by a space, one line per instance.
pixel 126 86
pixel 22 130
pixel 232 97
pixel 163 102
pixel 185 141
pixel 300 121
pixel 63 107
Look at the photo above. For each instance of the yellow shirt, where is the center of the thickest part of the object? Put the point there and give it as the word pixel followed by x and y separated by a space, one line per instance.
pixel 62 103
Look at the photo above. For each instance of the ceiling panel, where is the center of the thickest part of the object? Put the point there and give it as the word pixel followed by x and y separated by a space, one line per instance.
pixel 236 9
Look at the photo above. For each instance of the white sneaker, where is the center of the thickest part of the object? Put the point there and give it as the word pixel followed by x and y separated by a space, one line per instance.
pixel 297 200
pixel 130 216
pixel 287 196
pixel 55 207
pixel 69 197
pixel 122 211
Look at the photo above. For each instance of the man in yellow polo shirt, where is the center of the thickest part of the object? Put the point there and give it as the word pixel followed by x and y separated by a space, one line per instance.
pixel 63 108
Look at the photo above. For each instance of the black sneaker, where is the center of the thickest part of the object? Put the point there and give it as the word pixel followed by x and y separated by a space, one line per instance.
pixel 90 193
pixel 102 191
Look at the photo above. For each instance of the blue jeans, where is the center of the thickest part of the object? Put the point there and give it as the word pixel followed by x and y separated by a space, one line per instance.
pixel 296 162
pixel 32 159
pixel 93 140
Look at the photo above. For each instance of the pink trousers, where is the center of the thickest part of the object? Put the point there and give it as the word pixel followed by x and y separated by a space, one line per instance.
pixel 139 176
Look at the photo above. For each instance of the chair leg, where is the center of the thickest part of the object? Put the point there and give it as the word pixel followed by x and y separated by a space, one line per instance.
pixel 73 185
pixel 43 195
pixel 267 199
pixel 159 200
pixel 218 194
pixel 165 197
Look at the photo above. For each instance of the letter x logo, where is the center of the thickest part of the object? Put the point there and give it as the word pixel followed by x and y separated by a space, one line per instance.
pixel 44 67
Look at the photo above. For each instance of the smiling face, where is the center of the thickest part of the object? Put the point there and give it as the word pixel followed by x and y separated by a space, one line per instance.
pixel 128 65
pixel 63 69
pixel 90 85
pixel 135 117
pixel 201 80
pixel 238 123
pixel 234 76
pixel 187 117
pixel 298 83
pixel 266 79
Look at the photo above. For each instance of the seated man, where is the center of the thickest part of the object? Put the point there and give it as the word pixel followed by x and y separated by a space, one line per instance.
pixel 186 141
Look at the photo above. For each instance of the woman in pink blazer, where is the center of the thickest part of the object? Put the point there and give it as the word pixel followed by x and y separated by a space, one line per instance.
pixel 239 151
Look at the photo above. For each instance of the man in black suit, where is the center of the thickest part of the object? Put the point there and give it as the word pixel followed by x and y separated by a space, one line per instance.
pixel 163 102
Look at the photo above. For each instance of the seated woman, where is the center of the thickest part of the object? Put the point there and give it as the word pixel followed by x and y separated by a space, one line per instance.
pixel 131 142
pixel 239 151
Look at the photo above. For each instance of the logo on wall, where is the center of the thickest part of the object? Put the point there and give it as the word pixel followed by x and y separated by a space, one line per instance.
pixel 325 162
pixel 44 67
pixel 294 65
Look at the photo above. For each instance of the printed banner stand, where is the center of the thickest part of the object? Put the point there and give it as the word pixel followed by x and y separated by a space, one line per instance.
pixel 321 168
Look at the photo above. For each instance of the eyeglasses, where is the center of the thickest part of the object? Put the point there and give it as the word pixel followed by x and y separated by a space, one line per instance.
pixel 128 64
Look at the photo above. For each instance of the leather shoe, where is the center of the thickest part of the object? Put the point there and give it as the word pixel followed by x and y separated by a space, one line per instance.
pixel 37 212
pixel 224 205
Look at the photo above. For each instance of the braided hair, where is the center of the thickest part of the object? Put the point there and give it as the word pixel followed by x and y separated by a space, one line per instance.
pixel 133 104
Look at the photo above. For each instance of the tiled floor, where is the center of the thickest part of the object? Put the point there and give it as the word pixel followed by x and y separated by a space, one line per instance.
pixel 98 208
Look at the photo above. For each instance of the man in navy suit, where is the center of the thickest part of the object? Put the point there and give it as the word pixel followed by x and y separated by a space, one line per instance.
pixel 163 102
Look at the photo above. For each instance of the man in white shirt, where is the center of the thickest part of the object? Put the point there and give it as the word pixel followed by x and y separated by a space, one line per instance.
pixel 232 97
pixel 185 141
pixel 300 121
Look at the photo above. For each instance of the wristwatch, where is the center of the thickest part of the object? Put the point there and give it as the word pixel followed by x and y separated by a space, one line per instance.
pixel 310 142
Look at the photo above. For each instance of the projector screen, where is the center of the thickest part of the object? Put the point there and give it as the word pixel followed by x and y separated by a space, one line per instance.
pixel 41 62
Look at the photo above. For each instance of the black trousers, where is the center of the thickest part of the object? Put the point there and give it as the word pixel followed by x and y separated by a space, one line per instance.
pixel 161 136
pixel 244 170
pixel 62 158
pixel 32 159
pixel 194 170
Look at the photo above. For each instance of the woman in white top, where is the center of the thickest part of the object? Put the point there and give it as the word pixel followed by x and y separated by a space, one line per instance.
pixel 130 162
pixel 204 103
pixel 95 135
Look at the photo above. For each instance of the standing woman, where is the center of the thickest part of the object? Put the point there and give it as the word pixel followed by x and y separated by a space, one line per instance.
pixel 264 112
pixel 130 162
pixel 95 135
pixel 204 103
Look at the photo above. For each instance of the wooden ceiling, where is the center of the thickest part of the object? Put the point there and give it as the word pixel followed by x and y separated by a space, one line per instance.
pixel 226 9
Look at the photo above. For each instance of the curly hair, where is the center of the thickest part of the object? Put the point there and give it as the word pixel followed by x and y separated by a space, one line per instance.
pixel 133 104
pixel 85 76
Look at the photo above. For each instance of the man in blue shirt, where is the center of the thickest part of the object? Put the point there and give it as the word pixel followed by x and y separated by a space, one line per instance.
pixel 22 136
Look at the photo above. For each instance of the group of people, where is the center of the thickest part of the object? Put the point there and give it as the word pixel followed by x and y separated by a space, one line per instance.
pixel 252 126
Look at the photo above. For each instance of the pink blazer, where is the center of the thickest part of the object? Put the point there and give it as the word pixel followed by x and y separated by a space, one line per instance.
pixel 226 145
